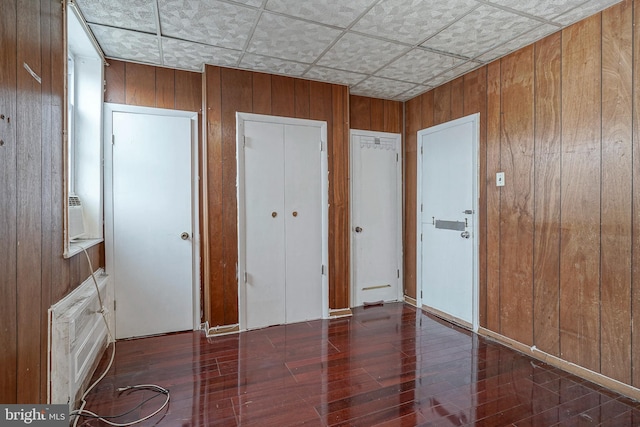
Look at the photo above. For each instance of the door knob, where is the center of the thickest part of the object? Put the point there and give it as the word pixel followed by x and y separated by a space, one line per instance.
pixel 465 234
pixel 184 236
pixel 358 229
pixel 295 213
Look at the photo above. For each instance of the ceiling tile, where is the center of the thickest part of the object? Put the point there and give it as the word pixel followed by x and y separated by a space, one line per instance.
pixel 588 9
pixel 361 54
pixel 324 74
pixel 452 74
pixel 125 44
pixel 191 56
pixel 130 14
pixel 272 65
pixel 378 87
pixel 546 9
pixel 479 31
pixel 411 21
pixel 412 93
pixel 208 21
pixel 418 65
pixel 329 12
pixel 288 38
pixel 519 42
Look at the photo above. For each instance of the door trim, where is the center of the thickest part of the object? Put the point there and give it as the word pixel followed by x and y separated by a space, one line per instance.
pixel 109 109
pixel 475 120
pixel 240 175
pixel 399 216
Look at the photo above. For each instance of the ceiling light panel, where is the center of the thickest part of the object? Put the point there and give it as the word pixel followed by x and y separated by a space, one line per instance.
pixel 125 44
pixel 411 21
pixel 292 39
pixel 208 21
pixel 330 12
pixel 479 31
pixel 129 14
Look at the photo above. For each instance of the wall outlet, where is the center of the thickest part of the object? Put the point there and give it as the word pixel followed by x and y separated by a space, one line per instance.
pixel 500 179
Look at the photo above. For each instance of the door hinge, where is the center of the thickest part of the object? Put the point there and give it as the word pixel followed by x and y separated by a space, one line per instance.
pixel 421 207
pixel 397 157
pixel 244 142
pixel 113 139
pixel 114 305
pixel 421 237
pixel 246 277
pixel 321 146
pixel 421 150
pixel 420 294
pixel 322 270
pixel 398 273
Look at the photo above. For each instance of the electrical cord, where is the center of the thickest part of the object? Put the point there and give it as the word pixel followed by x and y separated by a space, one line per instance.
pixel 81 412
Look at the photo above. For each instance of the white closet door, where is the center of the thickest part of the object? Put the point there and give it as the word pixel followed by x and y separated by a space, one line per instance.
pixel 264 222
pixel 303 223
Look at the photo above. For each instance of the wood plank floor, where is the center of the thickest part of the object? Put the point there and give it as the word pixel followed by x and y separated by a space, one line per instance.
pixel 388 365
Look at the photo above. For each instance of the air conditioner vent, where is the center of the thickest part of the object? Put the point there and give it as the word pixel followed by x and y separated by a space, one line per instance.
pixel 74 201
pixel 76 218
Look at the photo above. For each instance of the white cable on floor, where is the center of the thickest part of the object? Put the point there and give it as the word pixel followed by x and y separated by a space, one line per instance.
pixel 81 411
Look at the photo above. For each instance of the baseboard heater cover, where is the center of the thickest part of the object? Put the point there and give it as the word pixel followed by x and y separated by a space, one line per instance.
pixel 77 339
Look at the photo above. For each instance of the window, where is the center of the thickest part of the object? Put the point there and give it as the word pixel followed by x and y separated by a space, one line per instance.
pixel 83 160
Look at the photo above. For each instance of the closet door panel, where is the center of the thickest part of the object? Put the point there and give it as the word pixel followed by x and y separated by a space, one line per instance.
pixel 265 224
pixel 303 223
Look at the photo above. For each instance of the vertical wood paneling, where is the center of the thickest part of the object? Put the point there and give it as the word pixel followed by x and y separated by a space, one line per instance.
pixel 635 270
pixel 442 104
pixel 617 172
pixel 475 101
pixel 165 88
pixel 236 90
pixel 339 246
pixel 115 76
pixel 282 96
pixel 427 106
pixel 413 112
pixel 493 196
pixel 546 250
pixel 262 93
pixel 457 98
pixel 8 203
pixel 302 100
pixel 393 116
pixel 140 87
pixel 360 112
pixel 29 228
pixel 377 115
pixel 516 202
pixel 188 91
pixel 581 161
pixel 214 312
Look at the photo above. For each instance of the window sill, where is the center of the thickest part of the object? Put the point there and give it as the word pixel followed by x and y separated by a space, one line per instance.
pixel 76 246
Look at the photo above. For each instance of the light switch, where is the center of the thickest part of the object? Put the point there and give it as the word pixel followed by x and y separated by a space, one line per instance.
pixel 500 179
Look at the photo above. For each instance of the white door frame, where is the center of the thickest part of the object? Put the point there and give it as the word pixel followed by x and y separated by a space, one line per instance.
pixel 399 216
pixel 240 175
pixel 475 236
pixel 109 109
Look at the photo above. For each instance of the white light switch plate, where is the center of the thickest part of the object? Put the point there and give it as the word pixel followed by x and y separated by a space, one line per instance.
pixel 500 179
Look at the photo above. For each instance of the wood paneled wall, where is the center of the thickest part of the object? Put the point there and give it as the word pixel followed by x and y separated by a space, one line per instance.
pixel 33 273
pixel 228 91
pixel 378 115
pixel 560 242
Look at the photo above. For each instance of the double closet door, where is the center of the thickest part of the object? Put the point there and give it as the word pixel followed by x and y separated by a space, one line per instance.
pixel 280 223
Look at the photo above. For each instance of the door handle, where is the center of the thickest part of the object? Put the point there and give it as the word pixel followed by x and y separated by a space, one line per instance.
pixel 184 236
pixel 465 234
pixel 358 229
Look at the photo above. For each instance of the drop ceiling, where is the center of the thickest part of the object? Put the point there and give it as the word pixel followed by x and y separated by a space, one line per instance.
pixel 390 49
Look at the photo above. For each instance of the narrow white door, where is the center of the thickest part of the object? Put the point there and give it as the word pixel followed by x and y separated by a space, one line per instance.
pixel 448 202
pixel 152 224
pixel 264 224
pixel 281 221
pixel 376 206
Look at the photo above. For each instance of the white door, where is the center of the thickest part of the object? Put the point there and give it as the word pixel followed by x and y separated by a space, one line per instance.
pixel 152 259
pixel 376 207
pixel 282 225
pixel 447 227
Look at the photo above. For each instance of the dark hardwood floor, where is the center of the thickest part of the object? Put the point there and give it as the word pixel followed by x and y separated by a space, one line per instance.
pixel 388 365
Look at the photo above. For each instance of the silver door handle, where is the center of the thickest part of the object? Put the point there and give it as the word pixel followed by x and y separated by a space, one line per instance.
pixel 465 234
pixel 358 229
pixel 184 236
